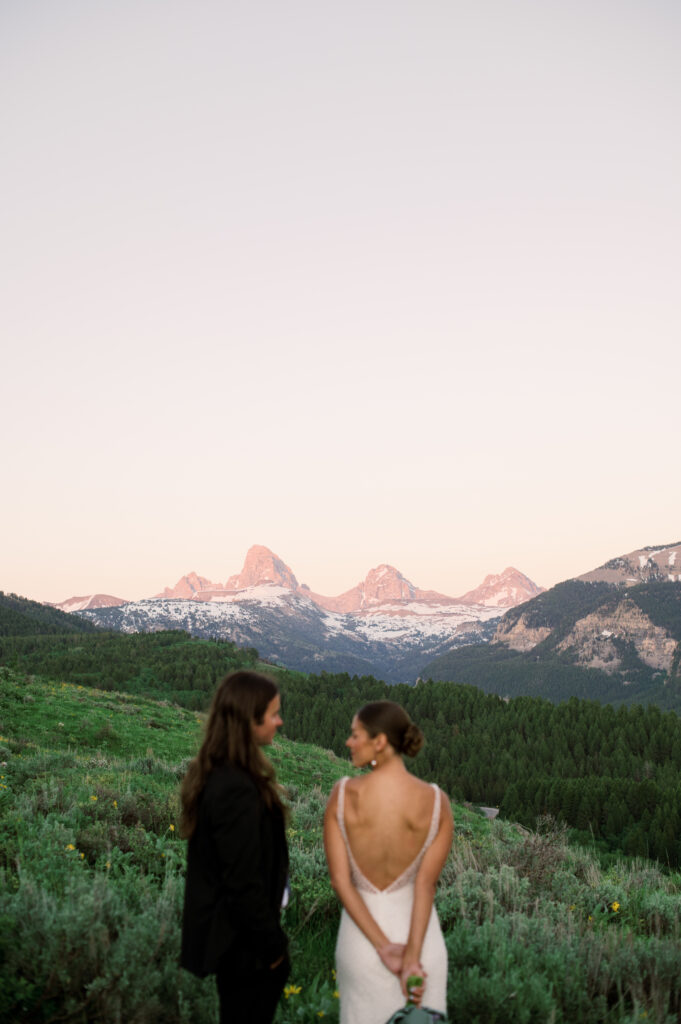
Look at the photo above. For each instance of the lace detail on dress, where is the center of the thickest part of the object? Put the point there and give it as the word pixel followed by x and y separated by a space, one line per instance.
pixel 359 880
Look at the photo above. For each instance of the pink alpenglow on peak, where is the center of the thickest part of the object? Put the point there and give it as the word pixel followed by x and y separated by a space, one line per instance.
pixel 262 566
pixel 384 585
pixel 504 591
pixel 384 591
pixel 188 587
pixel 658 564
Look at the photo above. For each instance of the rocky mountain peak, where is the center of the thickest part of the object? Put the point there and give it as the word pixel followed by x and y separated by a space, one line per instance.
pixel 386 583
pixel 504 590
pixel 79 604
pixel 646 565
pixel 262 566
pixel 187 587
pixel 384 590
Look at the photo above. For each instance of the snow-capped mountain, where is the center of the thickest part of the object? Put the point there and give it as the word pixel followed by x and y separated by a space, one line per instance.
pixel 613 634
pixel 647 565
pixel 384 589
pixel 384 626
pixel 79 604
pixel 505 591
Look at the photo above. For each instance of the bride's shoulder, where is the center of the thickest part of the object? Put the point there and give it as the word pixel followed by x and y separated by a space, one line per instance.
pixel 340 785
pixel 420 786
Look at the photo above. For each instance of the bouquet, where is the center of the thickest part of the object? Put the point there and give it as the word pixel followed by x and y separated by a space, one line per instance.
pixel 413 1014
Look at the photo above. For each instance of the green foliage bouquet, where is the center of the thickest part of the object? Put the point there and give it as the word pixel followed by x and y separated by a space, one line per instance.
pixel 412 1014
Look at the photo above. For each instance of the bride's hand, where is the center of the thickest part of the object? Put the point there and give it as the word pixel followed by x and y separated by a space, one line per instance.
pixel 415 994
pixel 391 955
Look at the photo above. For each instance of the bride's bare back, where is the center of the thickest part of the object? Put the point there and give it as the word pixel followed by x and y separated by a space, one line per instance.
pixel 387 819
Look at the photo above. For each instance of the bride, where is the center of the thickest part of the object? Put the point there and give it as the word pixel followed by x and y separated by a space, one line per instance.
pixel 387 835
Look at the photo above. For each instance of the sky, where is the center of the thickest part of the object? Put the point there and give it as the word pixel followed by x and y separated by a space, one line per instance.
pixel 364 282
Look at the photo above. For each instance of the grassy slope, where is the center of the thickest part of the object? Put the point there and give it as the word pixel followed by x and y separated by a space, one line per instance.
pixel 92 885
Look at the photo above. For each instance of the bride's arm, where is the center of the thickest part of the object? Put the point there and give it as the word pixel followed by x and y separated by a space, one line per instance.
pixel 339 873
pixel 424 891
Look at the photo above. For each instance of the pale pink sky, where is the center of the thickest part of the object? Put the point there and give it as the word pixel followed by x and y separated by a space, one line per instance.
pixel 391 282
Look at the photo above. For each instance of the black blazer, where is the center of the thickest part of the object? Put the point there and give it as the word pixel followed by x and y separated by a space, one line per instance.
pixel 237 863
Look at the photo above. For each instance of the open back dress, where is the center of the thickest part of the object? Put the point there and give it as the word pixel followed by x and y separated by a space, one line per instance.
pixel 369 992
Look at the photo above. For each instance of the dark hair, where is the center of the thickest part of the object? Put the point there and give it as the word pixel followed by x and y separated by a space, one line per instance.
pixel 240 699
pixel 391 718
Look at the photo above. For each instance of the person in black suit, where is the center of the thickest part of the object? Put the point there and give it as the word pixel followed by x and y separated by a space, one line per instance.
pixel 237 858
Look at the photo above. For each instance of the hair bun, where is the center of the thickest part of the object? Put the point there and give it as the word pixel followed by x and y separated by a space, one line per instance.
pixel 412 741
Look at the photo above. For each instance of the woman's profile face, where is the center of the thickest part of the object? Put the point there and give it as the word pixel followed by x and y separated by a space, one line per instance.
pixel 265 731
pixel 360 744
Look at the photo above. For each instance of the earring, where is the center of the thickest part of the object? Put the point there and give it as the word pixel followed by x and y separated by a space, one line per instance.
pixel 373 762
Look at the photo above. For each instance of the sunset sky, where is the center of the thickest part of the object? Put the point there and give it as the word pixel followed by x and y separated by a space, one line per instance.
pixel 363 282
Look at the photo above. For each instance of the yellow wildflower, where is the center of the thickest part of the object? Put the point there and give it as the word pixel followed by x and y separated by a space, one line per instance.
pixel 94 798
pixel 292 990
pixel 321 1013
pixel 82 856
pixel 336 994
pixel 70 847
pixel 615 906
pixel 108 865
pixel 115 803
pixel 172 828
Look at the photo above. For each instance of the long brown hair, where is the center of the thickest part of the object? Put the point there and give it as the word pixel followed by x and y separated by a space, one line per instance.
pixel 240 700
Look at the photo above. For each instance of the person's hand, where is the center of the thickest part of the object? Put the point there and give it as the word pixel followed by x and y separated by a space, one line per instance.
pixel 415 994
pixel 391 955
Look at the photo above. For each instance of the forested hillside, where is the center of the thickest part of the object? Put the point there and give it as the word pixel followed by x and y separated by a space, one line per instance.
pixel 21 617
pixel 167 664
pixel 611 774
pixel 495 669
pixel 594 640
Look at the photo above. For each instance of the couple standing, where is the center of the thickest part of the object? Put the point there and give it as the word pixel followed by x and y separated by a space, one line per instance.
pixel 387 835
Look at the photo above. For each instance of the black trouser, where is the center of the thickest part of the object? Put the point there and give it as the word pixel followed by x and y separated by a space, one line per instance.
pixel 250 995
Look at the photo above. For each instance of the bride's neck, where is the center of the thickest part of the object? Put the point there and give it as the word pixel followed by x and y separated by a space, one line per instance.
pixel 393 764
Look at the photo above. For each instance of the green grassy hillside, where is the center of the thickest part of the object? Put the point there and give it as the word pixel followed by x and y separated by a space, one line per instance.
pixel 167 664
pixel 91 874
pixel 612 776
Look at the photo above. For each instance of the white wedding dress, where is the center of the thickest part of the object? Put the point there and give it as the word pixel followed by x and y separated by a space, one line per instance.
pixel 369 992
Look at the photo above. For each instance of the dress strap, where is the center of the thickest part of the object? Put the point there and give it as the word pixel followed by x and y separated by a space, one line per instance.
pixel 435 818
pixel 359 880
pixel 341 804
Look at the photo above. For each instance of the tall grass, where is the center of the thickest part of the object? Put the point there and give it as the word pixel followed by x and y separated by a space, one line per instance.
pixel 91 884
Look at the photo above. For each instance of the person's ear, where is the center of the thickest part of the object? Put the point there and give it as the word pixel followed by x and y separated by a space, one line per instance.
pixel 380 742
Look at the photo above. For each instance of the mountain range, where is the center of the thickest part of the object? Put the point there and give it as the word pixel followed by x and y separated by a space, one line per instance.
pixel 383 586
pixel 384 626
pixel 612 634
